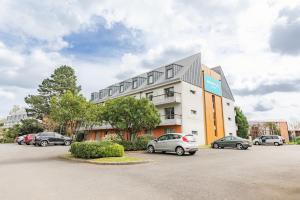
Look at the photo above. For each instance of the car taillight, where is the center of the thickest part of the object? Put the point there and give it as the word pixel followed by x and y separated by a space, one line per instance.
pixel 184 139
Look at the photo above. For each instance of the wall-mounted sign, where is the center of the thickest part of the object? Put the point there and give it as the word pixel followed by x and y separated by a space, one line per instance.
pixel 212 85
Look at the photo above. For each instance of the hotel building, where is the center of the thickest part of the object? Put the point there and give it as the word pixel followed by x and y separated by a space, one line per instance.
pixel 190 97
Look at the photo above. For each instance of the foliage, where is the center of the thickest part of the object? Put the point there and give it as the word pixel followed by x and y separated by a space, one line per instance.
pixel 130 115
pixel 68 110
pixel 79 136
pixel 273 129
pixel 92 115
pixel 10 134
pixel 30 126
pixel 139 144
pixel 242 123
pixel 297 140
pixel 88 150
pixel 62 80
pixel 50 125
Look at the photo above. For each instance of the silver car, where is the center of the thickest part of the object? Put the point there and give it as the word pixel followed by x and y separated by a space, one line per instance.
pixel 268 140
pixel 174 142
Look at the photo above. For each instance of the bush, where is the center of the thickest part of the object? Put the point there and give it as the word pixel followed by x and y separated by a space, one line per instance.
pixel 79 136
pixel 96 149
pixel 297 140
pixel 139 144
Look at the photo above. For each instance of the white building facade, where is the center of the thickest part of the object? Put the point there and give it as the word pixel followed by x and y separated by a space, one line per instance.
pixel 187 101
pixel 15 116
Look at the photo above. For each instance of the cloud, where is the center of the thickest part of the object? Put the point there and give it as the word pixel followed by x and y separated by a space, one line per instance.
pixel 284 37
pixel 284 86
pixel 264 106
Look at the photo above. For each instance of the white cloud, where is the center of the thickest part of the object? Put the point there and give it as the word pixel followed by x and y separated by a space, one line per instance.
pixel 234 34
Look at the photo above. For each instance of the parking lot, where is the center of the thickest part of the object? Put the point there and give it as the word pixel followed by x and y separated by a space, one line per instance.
pixel 262 172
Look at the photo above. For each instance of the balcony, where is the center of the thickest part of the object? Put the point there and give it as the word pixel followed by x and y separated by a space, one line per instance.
pixel 171 120
pixel 166 99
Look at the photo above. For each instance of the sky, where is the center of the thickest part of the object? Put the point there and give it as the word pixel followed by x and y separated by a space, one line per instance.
pixel 256 42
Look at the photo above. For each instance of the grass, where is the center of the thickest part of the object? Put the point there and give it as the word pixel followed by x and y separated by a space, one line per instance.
pixel 108 160
pixel 123 159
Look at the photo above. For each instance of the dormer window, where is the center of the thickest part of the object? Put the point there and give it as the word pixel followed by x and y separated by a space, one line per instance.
pixel 134 84
pixel 170 73
pixel 121 88
pixel 150 79
pixel 110 92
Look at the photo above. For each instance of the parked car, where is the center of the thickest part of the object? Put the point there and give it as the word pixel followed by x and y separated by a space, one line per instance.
pixel 29 139
pixel 45 138
pixel 20 140
pixel 268 140
pixel 174 142
pixel 231 141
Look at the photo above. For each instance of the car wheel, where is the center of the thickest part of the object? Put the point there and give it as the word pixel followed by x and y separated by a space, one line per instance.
pixel 256 143
pixel 192 152
pixel 179 151
pixel 216 146
pixel 67 142
pixel 150 149
pixel 239 146
pixel 276 143
pixel 27 143
pixel 44 143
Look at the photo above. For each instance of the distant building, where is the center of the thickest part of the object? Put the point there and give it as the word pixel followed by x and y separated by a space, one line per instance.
pixel 15 116
pixel 258 128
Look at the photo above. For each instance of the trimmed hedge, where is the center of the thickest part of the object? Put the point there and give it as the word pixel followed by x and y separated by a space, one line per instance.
pixel 297 140
pixel 139 144
pixel 88 150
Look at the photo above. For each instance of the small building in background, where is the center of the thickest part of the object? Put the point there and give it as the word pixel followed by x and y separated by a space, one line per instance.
pixel 269 127
pixel 15 116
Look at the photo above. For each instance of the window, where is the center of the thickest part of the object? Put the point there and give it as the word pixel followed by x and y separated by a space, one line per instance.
pixel 169 130
pixel 169 92
pixel 100 95
pixel 162 138
pixel 215 116
pixel 148 132
pixel 193 91
pixel 110 92
pixel 149 95
pixel 150 79
pixel 170 73
pixel 121 88
pixel 169 113
pixel 134 84
pixel 194 112
pixel 195 132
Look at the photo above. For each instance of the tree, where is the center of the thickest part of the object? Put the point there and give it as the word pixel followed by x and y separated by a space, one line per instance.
pixel 10 134
pixel 273 129
pixel 30 126
pixel 69 110
pixel 242 123
pixel 130 115
pixel 62 80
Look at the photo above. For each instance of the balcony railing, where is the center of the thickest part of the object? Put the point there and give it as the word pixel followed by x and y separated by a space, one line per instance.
pixel 172 119
pixel 166 98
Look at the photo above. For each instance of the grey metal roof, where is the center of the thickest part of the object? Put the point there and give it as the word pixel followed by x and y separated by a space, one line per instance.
pixel 187 69
pixel 226 91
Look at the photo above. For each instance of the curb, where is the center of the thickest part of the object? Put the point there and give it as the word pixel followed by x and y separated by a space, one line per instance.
pixel 79 160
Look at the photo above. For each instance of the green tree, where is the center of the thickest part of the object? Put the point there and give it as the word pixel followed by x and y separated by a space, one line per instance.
pixel 30 126
pixel 68 110
pixel 62 80
pixel 273 129
pixel 242 123
pixel 10 134
pixel 130 115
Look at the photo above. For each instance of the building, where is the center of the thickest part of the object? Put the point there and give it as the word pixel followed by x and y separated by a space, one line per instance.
pixel 190 97
pixel 15 116
pixel 258 128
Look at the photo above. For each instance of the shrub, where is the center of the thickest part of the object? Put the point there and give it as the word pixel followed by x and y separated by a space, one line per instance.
pixel 96 149
pixel 297 140
pixel 139 144
pixel 79 136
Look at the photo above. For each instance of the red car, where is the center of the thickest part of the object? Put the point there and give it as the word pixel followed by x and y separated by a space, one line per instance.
pixel 28 139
